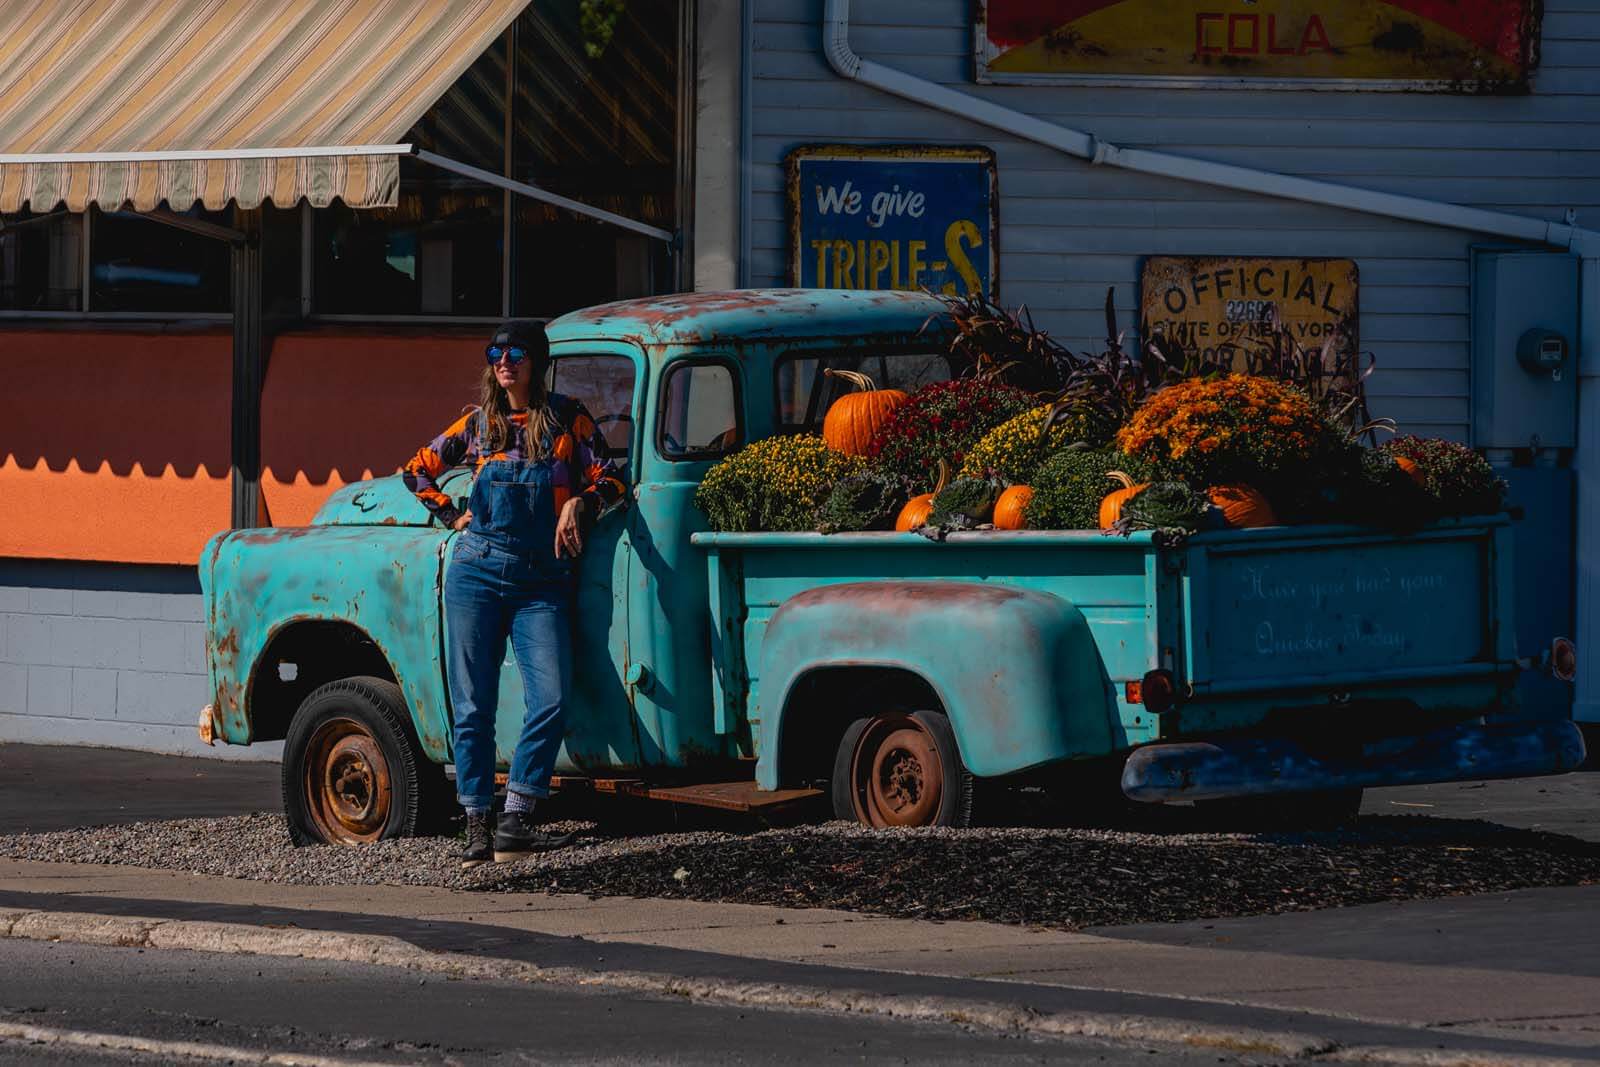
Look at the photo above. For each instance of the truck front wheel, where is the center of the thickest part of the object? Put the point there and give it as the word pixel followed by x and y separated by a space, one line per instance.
pixel 351 772
pixel 901 769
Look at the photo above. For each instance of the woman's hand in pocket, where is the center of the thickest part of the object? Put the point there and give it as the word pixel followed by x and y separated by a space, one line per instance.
pixel 569 537
pixel 462 521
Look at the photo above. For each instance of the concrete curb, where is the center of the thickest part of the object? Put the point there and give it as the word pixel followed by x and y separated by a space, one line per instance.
pixel 386 951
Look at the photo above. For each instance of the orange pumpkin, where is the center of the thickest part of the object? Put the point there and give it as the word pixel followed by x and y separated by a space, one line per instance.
pixel 918 508
pixel 855 418
pixel 1409 465
pixel 1242 506
pixel 915 513
pixel 1010 511
pixel 1111 505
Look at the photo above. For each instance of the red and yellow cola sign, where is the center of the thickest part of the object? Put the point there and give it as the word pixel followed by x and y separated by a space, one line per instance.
pixel 1443 45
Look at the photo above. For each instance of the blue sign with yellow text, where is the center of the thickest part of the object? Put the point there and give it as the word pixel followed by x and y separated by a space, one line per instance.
pixel 908 218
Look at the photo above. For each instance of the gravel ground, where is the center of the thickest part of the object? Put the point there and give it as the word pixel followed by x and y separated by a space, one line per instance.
pixel 1041 877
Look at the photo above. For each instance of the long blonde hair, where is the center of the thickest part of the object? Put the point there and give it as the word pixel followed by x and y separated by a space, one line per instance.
pixel 494 407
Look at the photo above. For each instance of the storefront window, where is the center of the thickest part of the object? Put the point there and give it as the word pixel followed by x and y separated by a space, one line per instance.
pixel 441 251
pixel 138 264
pixel 41 265
pixel 596 120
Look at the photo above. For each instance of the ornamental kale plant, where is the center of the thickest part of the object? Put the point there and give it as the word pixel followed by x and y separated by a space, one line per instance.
pixel 869 500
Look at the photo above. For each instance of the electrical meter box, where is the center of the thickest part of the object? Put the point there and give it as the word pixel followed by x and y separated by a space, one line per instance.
pixel 1524 349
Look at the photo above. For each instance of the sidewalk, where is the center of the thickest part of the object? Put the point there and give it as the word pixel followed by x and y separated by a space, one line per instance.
pixel 1475 991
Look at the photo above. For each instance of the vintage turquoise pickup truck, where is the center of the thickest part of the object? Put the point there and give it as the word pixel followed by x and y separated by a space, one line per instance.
pixel 897 676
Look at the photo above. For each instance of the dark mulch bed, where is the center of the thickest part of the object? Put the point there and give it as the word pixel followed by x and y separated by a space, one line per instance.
pixel 1077 878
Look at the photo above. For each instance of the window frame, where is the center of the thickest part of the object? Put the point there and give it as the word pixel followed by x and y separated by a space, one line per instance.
pixel 740 422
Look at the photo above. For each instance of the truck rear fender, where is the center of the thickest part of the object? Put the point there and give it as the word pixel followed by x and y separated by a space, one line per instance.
pixel 1017 671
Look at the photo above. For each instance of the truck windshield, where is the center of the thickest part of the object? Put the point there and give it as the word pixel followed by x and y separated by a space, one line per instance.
pixel 804 392
pixel 604 385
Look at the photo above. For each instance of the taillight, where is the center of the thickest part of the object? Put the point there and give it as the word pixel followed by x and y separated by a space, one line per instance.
pixel 1156 691
pixel 1564 659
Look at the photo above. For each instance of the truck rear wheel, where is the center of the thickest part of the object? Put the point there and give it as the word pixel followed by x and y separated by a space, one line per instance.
pixel 901 769
pixel 352 772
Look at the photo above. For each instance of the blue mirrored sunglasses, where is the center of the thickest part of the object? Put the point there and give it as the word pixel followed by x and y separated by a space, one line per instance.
pixel 495 353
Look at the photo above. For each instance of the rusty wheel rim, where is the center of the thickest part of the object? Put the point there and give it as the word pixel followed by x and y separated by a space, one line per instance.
pixel 347 783
pixel 898 775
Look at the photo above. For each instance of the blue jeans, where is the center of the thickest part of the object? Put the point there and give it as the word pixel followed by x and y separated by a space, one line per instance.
pixel 490 594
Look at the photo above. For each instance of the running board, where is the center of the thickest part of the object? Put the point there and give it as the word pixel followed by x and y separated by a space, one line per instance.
pixel 726 796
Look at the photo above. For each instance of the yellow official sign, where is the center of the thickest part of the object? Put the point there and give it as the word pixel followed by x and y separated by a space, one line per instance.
pixel 1217 304
pixel 1440 45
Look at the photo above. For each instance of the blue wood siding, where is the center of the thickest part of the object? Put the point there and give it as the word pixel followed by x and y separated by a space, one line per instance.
pixel 1068 230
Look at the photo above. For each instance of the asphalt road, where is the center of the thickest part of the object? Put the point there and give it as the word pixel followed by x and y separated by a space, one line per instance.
pixel 368 1014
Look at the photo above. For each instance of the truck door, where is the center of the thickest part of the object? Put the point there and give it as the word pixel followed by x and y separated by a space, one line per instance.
pixel 695 418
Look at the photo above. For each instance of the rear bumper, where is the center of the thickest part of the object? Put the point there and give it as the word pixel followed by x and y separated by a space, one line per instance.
pixel 1212 770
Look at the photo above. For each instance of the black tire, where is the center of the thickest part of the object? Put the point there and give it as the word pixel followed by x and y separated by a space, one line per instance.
pixel 851 764
pixel 353 771
pixel 1327 809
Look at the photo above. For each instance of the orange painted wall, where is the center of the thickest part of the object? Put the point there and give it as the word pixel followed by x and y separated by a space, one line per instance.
pixel 114 445
pixel 341 406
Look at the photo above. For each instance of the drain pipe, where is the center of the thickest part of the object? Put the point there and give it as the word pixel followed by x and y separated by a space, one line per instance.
pixel 844 60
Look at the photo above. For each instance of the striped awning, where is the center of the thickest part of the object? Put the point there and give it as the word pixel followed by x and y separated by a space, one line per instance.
pixel 138 102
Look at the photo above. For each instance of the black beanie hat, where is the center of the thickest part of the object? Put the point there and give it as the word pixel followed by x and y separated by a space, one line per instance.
pixel 528 333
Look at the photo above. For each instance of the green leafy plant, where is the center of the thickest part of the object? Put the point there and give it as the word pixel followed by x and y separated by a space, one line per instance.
pixel 597 23
pixel 1171 507
pixel 774 484
pixel 1016 449
pixel 942 421
pixel 965 503
pixel 868 500
pixel 1069 487
pixel 1456 479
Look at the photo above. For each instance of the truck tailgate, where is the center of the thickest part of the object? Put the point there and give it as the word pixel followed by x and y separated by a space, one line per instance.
pixel 1289 608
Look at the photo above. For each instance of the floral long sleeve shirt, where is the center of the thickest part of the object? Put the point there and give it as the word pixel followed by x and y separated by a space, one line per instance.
pixel 579 450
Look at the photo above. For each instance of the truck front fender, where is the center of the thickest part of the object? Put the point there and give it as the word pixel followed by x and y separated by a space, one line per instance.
pixel 1017 671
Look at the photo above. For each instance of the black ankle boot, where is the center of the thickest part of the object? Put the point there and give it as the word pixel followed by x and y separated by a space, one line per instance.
pixel 516 837
pixel 478 850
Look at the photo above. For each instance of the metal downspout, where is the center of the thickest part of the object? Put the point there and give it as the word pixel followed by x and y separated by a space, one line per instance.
pixel 1586 562
pixel 844 60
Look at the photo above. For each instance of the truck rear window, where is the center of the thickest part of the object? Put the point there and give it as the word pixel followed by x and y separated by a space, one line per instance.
pixel 804 392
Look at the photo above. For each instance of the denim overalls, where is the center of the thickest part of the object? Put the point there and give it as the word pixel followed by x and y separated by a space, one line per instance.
pixel 504 579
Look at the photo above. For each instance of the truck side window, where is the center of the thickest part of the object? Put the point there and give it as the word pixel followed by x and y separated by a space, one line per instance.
pixel 699 412
pixel 604 385
pixel 804 393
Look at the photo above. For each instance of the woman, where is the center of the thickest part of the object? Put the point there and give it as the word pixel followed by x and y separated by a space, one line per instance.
pixel 542 479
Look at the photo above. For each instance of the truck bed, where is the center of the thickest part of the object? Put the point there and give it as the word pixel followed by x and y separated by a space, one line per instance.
pixel 1250 622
